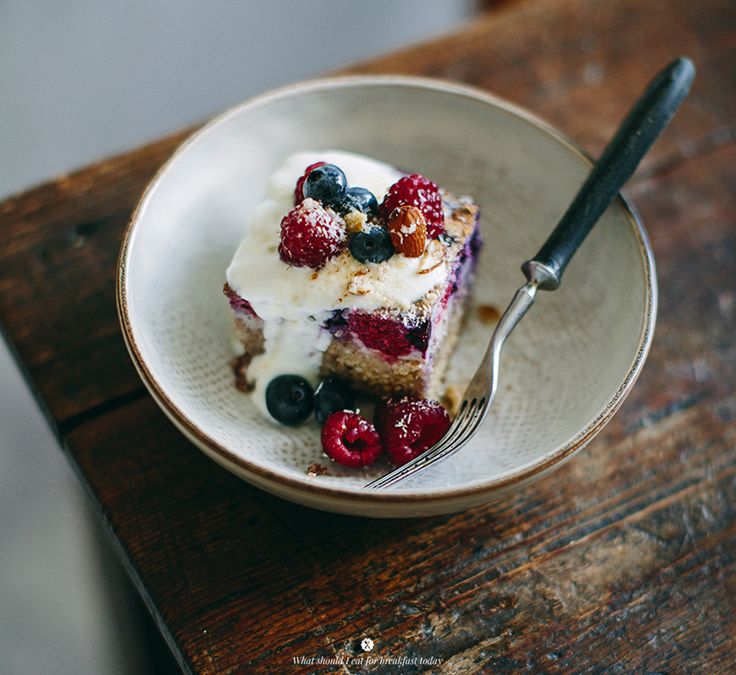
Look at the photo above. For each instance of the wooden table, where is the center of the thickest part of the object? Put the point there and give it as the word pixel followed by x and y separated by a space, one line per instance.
pixel 627 559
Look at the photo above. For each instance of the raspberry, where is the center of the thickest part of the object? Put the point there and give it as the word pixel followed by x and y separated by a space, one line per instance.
pixel 298 192
pixel 350 440
pixel 310 236
pixel 387 335
pixel 416 190
pixel 409 426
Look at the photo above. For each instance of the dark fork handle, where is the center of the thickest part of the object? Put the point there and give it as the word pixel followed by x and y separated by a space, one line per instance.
pixel 646 121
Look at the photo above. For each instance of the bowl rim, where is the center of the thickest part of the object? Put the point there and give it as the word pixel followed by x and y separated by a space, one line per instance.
pixel 244 467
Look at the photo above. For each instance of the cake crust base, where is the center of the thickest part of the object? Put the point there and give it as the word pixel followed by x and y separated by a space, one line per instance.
pixel 376 375
pixel 368 372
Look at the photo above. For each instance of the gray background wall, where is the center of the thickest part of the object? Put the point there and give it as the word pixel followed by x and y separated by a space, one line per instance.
pixel 80 79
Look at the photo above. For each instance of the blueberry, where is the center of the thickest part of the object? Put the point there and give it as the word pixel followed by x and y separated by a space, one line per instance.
pixel 358 199
pixel 373 245
pixel 326 184
pixel 332 394
pixel 289 399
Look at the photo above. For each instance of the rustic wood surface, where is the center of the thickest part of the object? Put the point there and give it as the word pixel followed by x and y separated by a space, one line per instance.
pixel 625 558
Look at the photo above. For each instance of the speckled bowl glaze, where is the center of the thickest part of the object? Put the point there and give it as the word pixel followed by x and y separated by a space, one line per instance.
pixel 565 370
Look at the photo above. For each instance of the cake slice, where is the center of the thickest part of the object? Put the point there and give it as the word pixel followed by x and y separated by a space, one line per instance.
pixel 352 268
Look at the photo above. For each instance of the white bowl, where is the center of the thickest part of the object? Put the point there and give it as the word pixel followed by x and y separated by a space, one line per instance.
pixel 565 370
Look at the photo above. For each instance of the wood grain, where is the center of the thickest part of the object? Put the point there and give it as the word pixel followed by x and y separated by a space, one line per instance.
pixel 58 255
pixel 625 558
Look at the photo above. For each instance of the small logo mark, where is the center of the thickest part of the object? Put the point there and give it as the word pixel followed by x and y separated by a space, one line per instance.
pixel 367 644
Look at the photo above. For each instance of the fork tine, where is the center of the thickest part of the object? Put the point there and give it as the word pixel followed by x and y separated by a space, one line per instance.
pixel 458 427
pixel 403 470
pixel 454 430
pixel 439 451
pixel 422 459
pixel 399 472
pixel 467 428
pixel 468 432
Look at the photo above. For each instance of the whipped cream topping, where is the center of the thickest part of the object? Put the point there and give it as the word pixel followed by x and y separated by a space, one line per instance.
pixel 294 302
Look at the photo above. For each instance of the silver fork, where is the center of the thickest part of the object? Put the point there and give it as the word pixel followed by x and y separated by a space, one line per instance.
pixel 644 123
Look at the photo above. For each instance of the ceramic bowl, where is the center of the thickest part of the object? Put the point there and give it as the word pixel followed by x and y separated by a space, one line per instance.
pixel 565 370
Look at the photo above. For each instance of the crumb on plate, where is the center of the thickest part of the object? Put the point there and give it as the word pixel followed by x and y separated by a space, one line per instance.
pixel 315 469
pixel 451 399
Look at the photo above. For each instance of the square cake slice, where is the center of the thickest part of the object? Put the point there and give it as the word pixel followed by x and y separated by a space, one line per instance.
pixel 373 298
